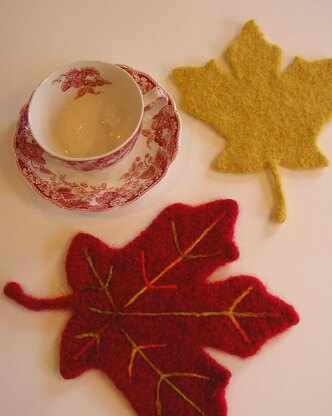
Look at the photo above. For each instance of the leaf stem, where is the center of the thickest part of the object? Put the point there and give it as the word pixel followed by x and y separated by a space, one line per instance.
pixel 14 291
pixel 280 210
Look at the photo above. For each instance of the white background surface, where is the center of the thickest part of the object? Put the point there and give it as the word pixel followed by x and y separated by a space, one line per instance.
pixel 291 375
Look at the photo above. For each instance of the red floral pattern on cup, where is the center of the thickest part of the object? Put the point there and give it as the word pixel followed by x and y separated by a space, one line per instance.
pixel 162 127
pixel 77 190
pixel 84 79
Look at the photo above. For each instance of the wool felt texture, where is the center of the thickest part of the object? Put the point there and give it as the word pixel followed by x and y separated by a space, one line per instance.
pixel 143 313
pixel 268 118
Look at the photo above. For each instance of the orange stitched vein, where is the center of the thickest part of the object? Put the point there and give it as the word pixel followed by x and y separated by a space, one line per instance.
pixel 189 256
pixel 163 376
pixel 103 285
pixel 92 341
pixel 178 259
pixel 147 282
pixel 231 313
pixel 232 318
pixel 95 336
pixel 135 351
pixel 189 313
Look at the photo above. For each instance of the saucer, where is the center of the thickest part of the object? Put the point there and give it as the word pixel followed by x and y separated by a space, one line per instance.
pixel 115 186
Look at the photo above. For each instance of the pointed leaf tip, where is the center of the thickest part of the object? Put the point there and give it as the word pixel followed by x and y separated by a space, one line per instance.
pixel 252 25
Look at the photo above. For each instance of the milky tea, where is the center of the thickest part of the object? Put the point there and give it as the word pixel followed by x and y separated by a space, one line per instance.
pixel 91 125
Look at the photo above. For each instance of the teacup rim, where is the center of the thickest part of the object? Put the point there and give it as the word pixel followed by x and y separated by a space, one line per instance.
pixel 63 157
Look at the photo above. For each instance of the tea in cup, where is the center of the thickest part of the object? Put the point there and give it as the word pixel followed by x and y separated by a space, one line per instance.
pixel 87 114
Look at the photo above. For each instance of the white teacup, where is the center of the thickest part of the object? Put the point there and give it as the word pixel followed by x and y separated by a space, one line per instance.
pixel 87 114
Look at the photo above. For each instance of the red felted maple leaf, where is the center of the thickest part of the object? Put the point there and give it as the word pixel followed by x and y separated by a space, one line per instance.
pixel 143 313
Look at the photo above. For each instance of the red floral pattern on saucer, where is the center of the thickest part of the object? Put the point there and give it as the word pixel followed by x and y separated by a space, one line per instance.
pixel 147 163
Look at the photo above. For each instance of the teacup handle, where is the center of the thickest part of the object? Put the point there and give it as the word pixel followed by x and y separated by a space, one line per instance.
pixel 154 101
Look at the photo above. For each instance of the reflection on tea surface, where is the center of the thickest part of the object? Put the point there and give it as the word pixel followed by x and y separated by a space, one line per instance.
pixel 91 125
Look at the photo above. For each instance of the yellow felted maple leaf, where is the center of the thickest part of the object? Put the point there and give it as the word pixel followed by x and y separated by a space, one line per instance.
pixel 268 118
